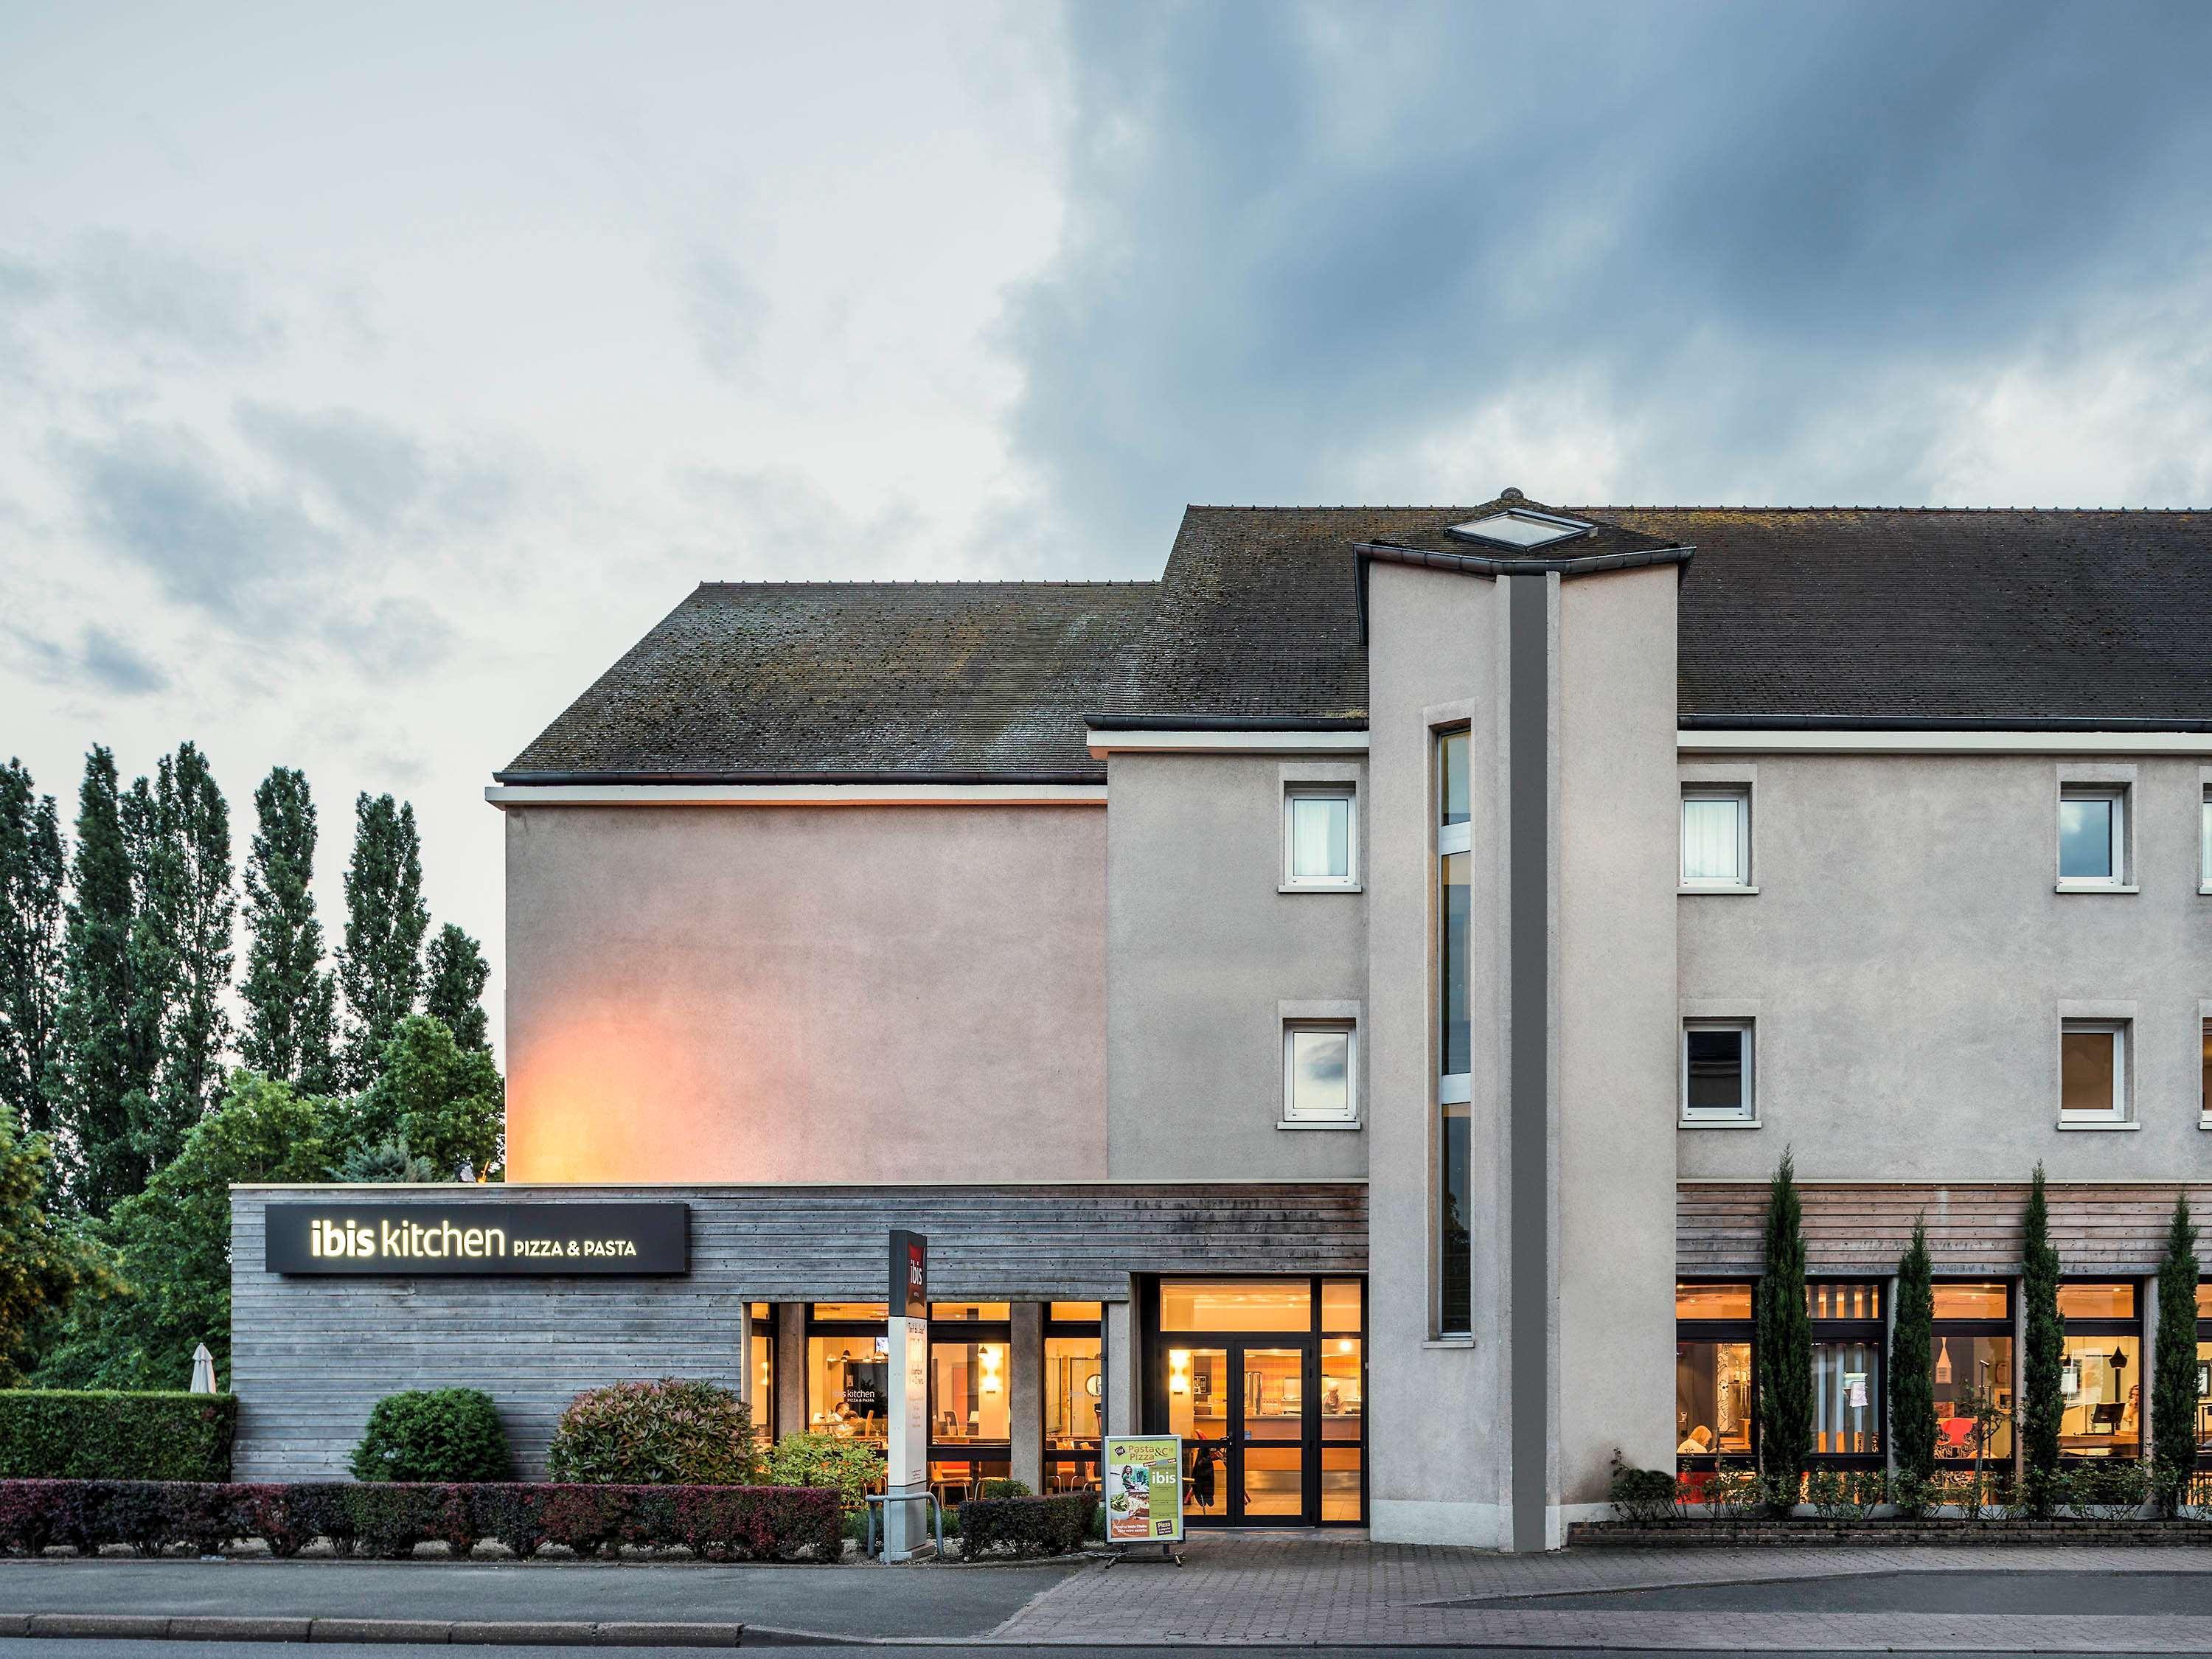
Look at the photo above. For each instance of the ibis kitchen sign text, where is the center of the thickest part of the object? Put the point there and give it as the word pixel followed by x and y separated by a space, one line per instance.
pixel 472 1238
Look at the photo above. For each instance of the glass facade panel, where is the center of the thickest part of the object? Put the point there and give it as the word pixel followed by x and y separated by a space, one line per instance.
pixel 1274 1394
pixel 1236 1304
pixel 1968 1369
pixel 834 1312
pixel 1843 1299
pixel 763 1364
pixel 968 1393
pixel 953 1312
pixel 1846 1398
pixel 1340 1304
pixel 1957 1301
pixel 2097 1301
pixel 1075 1313
pixel 1321 836
pixel 1695 1300
pixel 1341 1388
pixel 1455 1011
pixel 2204 1299
pixel 1198 1410
pixel 1075 1394
pixel 1451 777
pixel 2085 837
pixel 1339 1482
pixel 846 1384
pixel 2101 1385
pixel 1712 1399
pixel 1274 1480
pixel 2204 1396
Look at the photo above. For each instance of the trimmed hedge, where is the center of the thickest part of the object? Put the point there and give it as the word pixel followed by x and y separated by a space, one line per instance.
pixel 433 1434
pixel 67 1434
pixel 388 1519
pixel 1026 1526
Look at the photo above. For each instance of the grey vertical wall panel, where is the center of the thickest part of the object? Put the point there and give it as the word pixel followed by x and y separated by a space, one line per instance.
pixel 310 1355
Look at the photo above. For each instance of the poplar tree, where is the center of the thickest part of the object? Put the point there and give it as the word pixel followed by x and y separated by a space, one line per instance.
pixel 1912 1364
pixel 148 812
pixel 380 969
pixel 31 871
pixel 96 1067
pixel 290 1000
pixel 453 986
pixel 1785 1344
pixel 2042 1407
pixel 2173 1380
pixel 196 1031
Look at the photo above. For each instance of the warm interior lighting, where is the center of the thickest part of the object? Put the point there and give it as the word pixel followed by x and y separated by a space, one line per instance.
pixel 990 1357
pixel 1178 1371
pixel 1344 1345
pixel 1943 1361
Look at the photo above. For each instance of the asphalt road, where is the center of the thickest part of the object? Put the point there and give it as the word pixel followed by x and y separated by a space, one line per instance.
pixel 47 1648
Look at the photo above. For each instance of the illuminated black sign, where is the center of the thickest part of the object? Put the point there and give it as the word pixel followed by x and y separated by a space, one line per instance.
pixel 477 1238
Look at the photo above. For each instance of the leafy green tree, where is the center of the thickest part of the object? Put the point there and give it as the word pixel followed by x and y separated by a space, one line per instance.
pixel 380 969
pixel 173 1242
pixel 46 1260
pixel 2042 1407
pixel 179 831
pixel 31 871
pixel 98 1066
pixel 290 1000
pixel 2174 1381
pixel 454 990
pixel 1784 1335
pixel 1912 1363
pixel 445 1104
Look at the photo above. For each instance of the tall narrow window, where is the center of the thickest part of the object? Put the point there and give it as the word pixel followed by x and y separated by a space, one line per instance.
pixel 1716 837
pixel 2092 836
pixel 1455 1037
pixel 2092 1072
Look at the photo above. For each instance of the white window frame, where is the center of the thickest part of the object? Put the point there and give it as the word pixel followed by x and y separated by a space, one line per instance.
pixel 1349 1025
pixel 1454 1088
pixel 2121 1113
pixel 2204 1092
pixel 1297 789
pixel 2119 791
pixel 1745 1115
pixel 1740 794
pixel 2204 831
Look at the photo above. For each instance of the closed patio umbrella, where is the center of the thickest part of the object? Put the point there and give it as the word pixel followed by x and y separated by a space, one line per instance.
pixel 203 1370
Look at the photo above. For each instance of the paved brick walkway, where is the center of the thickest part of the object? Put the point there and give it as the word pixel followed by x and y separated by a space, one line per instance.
pixel 1330 1590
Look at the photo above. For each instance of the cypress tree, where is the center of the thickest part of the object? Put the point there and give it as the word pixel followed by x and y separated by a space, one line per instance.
pixel 2041 1407
pixel 2174 1381
pixel 149 814
pixel 31 870
pixel 95 1068
pixel 1785 1343
pixel 453 987
pixel 380 969
pixel 196 1031
pixel 290 1000
pixel 1912 1363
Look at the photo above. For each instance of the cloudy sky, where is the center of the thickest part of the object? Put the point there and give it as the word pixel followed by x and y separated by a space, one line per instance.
pixel 371 377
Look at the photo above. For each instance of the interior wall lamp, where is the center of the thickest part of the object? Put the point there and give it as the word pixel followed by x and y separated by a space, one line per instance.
pixel 1178 1371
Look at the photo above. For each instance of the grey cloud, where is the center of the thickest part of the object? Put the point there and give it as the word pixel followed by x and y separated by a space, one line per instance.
pixel 725 311
pixel 367 470
pixel 1750 239
pixel 392 639
pixel 98 659
pixel 157 300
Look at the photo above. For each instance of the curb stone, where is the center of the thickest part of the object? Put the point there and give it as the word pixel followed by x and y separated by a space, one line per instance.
pixel 459 1632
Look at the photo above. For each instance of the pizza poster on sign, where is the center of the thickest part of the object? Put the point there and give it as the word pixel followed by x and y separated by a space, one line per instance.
pixel 1144 1489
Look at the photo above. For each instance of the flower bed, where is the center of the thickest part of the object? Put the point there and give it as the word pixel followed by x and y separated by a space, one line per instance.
pixel 389 1519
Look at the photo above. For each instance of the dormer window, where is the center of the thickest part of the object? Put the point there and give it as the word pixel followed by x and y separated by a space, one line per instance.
pixel 1519 527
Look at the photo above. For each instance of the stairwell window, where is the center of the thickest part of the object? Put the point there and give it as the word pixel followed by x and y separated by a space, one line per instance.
pixel 1715 838
pixel 1454 1195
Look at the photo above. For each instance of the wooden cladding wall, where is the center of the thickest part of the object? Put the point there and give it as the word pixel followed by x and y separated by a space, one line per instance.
pixel 310 1356
pixel 1861 1228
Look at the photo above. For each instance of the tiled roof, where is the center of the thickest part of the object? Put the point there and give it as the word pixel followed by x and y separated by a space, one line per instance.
pixel 942 680
pixel 1867 615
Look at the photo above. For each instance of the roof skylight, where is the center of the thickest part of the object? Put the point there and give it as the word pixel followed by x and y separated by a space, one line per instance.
pixel 1518 527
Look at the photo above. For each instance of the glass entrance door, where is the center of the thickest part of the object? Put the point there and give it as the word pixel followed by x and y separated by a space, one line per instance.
pixel 1242 1414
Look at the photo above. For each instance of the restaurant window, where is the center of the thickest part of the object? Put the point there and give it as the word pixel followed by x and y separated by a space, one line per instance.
pixel 970 1409
pixel 2101 1372
pixel 1713 1397
pixel 848 1370
pixel 1321 837
pixel 1973 1367
pixel 1236 1304
pixel 1074 1395
pixel 1455 1037
pixel 2204 1373
pixel 1343 1400
pixel 1717 1072
pixel 1321 1072
pixel 2092 1070
pixel 953 1313
pixel 1716 837
pixel 1848 1337
pixel 761 1339
pixel 2092 835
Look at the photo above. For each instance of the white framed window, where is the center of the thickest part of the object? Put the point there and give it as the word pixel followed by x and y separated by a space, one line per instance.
pixel 1321 1072
pixel 2092 1072
pixel 2092 836
pixel 1716 837
pixel 2204 843
pixel 1718 1071
pixel 2204 1088
pixel 1321 837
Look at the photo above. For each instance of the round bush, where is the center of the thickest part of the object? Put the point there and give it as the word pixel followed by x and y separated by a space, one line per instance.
pixel 433 1434
pixel 675 1432
pixel 853 1468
